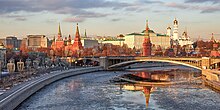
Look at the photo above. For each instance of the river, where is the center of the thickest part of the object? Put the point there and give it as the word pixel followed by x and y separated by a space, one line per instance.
pixel 95 91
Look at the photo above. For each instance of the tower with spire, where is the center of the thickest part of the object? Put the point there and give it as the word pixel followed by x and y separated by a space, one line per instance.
pixel 77 45
pixel 58 44
pixel 214 52
pixel 85 34
pixel 147 43
pixel 59 37
pixel 212 38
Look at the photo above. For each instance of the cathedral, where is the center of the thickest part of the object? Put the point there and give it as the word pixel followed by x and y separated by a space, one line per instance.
pixel 175 38
pixel 64 47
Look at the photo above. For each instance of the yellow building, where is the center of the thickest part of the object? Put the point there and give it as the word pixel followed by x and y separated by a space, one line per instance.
pixel 136 39
pixel 36 41
pixel 119 42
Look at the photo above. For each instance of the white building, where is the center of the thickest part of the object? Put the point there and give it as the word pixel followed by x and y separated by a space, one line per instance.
pixel 89 43
pixel 185 40
pixel 175 38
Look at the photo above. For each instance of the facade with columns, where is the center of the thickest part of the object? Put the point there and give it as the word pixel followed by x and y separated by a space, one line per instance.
pixel 36 41
pixel 135 40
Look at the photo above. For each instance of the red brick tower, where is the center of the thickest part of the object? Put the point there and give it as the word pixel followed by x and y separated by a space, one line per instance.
pixel 77 45
pixel 147 43
pixel 214 52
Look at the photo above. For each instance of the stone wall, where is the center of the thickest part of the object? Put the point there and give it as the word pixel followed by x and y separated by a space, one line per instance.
pixel 16 97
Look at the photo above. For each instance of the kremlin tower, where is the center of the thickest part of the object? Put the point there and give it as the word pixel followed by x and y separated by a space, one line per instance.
pixel 61 46
pixel 58 44
pixel 214 52
pixel 59 37
pixel 147 43
pixel 77 45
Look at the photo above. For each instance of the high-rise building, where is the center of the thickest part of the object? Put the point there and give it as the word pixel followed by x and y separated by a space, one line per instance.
pixel 36 41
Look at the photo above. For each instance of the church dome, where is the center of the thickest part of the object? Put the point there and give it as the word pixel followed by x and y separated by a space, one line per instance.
pixel 184 34
pixel 175 21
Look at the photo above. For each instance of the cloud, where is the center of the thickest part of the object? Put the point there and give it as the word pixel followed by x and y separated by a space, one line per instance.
pixel 202 1
pixel 151 2
pixel 16 17
pixel 74 19
pixel 51 20
pixel 21 19
pixel 115 19
pixel 201 8
pixel 72 7
pixel 176 5
pixel 163 11
pixel 209 9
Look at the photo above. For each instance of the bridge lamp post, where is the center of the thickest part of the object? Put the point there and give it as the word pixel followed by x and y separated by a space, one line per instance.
pixel 20 66
pixel 11 69
pixel 36 63
pixel 11 66
pixel 0 67
pixel 84 61
pixel 75 63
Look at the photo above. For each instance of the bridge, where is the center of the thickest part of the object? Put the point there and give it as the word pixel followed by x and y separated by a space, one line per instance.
pixel 111 63
pixel 208 66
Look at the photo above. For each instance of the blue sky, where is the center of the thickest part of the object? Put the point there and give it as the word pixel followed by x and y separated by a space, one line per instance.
pixel 108 17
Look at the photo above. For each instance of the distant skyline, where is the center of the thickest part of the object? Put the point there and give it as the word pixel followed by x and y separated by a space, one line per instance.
pixel 108 17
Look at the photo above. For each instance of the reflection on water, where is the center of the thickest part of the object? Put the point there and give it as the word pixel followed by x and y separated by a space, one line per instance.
pixel 155 77
pixel 95 91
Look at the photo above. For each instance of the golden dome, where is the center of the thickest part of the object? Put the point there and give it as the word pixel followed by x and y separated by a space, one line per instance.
pixel 175 21
pixel 169 27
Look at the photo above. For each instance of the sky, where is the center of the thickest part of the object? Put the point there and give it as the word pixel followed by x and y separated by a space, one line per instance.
pixel 108 17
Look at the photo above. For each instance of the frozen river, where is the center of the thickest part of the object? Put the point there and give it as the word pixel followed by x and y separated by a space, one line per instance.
pixel 94 91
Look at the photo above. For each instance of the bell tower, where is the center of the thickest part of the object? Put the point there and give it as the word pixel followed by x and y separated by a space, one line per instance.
pixel 175 30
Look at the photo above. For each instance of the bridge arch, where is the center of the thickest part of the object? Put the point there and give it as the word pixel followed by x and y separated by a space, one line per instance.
pixel 126 63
